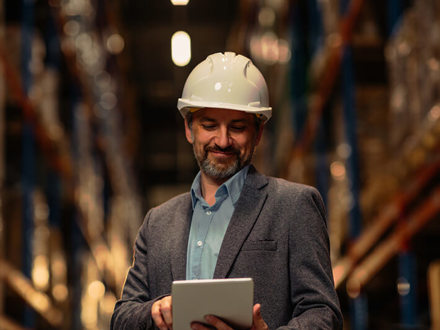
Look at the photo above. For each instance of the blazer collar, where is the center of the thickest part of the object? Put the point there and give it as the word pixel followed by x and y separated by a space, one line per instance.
pixel 179 236
pixel 246 212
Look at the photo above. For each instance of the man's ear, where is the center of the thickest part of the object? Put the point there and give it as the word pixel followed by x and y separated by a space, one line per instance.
pixel 259 134
pixel 188 132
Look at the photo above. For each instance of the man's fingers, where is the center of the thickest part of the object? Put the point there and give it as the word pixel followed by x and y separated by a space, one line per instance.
pixel 161 312
pixel 157 315
pixel 213 321
pixel 256 312
pixel 167 313
pixel 257 320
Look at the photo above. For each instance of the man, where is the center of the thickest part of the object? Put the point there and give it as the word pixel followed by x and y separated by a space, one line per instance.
pixel 235 222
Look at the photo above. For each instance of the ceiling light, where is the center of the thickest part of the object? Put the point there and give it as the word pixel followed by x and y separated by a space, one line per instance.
pixel 179 2
pixel 181 48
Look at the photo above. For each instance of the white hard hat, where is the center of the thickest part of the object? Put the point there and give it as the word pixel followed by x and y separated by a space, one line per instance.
pixel 226 81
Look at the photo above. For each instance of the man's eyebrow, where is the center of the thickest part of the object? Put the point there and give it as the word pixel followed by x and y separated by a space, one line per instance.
pixel 238 121
pixel 233 121
pixel 207 119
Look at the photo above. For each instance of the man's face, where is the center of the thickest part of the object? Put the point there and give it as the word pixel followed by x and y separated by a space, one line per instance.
pixel 223 140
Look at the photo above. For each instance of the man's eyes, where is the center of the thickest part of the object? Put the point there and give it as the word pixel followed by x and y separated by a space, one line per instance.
pixel 209 127
pixel 238 128
pixel 235 128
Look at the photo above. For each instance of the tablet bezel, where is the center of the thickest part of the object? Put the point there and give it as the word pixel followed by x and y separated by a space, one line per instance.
pixel 230 299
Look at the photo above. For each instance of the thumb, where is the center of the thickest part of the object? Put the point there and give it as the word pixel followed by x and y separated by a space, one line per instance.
pixel 257 320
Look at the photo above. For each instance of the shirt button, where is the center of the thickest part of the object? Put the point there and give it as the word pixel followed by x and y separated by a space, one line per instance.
pixel 208 212
pixel 199 243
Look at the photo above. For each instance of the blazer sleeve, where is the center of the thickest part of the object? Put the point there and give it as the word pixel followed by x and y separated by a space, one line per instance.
pixel 312 288
pixel 133 310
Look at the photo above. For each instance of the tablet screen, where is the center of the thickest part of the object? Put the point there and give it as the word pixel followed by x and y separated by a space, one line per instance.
pixel 229 299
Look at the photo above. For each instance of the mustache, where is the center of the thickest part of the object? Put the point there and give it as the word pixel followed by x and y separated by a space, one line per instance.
pixel 216 148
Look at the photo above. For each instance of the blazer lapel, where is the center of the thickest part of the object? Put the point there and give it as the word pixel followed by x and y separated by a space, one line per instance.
pixel 179 241
pixel 246 212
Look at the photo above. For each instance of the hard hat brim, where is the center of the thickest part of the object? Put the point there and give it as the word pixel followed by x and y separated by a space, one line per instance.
pixel 184 106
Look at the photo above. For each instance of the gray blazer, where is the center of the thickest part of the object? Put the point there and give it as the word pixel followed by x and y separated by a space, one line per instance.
pixel 277 235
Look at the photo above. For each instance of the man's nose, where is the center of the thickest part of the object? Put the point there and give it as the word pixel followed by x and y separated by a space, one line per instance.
pixel 223 138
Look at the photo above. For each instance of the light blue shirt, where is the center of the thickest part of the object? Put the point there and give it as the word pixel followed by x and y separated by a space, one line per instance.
pixel 209 224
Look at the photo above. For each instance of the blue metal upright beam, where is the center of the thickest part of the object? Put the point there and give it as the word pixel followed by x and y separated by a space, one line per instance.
pixel 358 305
pixel 407 289
pixel 350 127
pixel 307 38
pixel 394 12
pixel 298 70
pixel 28 153
pixel 77 248
pixel 407 278
pixel 54 186
pixel 315 35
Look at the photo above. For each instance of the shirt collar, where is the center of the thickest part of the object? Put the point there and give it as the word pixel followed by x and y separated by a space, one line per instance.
pixel 232 186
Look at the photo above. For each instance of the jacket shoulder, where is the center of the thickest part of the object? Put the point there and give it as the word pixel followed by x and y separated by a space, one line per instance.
pixel 281 188
pixel 284 186
pixel 177 203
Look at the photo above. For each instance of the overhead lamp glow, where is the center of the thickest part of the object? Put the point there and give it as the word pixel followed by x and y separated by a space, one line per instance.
pixel 181 48
pixel 179 2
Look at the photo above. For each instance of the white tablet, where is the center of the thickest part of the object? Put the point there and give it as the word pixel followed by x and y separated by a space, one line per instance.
pixel 229 299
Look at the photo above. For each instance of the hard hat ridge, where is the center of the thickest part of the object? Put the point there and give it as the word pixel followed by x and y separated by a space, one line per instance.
pixel 227 81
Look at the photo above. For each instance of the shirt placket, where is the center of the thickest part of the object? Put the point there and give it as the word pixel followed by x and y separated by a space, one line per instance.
pixel 200 239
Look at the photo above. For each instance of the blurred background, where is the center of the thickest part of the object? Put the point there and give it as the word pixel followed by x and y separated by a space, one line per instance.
pixel 90 139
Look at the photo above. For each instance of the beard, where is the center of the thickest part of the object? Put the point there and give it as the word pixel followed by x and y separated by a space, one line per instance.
pixel 221 169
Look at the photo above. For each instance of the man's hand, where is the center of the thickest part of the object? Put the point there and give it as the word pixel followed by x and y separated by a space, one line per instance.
pixel 257 322
pixel 162 313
